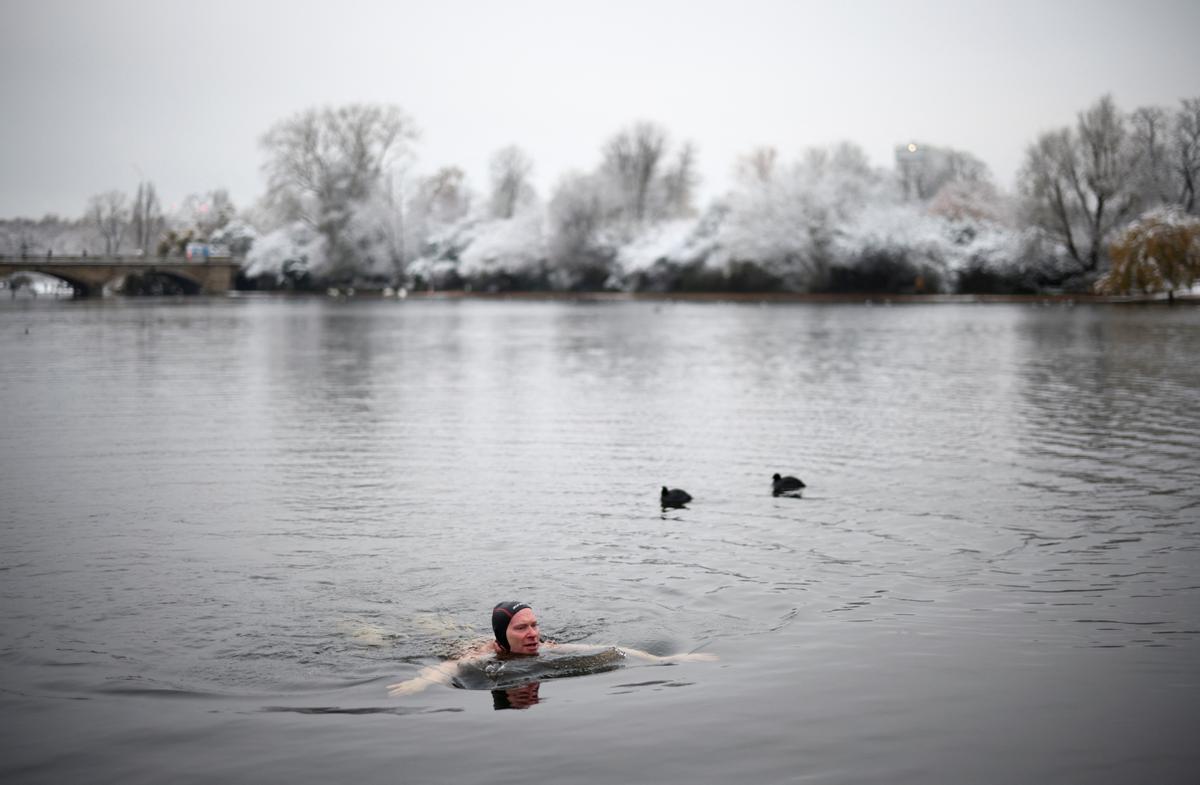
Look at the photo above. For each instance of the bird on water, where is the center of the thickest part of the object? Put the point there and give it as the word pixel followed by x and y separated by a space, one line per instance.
pixel 674 497
pixel 782 485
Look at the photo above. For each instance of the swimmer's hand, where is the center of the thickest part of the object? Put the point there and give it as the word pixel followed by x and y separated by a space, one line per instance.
pixel 410 687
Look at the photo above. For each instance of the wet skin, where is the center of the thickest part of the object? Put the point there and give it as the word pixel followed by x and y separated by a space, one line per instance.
pixel 523 634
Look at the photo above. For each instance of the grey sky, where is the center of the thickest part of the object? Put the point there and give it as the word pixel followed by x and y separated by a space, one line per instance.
pixel 97 95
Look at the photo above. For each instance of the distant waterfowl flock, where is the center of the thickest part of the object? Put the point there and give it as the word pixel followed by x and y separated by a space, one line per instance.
pixel 780 486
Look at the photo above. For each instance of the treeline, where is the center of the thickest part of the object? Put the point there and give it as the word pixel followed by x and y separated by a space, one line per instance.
pixel 1109 202
pixel 115 224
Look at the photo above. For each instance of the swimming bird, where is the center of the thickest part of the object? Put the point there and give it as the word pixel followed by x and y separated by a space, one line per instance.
pixel 674 497
pixel 782 485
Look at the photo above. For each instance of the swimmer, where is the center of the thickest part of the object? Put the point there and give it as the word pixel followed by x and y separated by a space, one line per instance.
pixel 515 627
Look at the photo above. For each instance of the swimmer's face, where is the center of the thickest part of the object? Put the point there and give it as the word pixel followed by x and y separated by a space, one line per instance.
pixel 523 635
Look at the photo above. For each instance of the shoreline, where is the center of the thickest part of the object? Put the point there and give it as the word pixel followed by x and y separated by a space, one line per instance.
pixel 864 298
pixel 763 298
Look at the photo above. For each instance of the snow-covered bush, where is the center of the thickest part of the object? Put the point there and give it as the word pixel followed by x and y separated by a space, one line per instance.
pixel 287 257
pixel 513 248
pixel 237 235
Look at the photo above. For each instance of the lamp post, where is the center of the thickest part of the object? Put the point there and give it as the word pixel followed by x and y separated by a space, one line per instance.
pixel 910 160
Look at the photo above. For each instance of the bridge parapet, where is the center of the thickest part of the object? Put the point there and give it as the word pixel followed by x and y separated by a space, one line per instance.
pixel 88 275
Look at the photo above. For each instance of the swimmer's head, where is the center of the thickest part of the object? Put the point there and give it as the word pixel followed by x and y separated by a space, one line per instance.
pixel 516 628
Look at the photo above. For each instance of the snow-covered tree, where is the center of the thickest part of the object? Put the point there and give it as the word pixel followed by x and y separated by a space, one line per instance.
pixel 206 212
pixel 443 197
pixel 1149 128
pixel 758 165
pixel 146 218
pixel 923 170
pixel 785 220
pixel 108 213
pixel 376 232
pixel 970 203
pixel 323 164
pixel 679 183
pixel 48 234
pixel 632 163
pixel 1077 184
pixel 511 190
pixel 438 204
pixel 1185 144
pixel 576 216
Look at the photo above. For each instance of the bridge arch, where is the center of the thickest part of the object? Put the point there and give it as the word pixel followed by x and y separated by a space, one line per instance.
pixel 155 282
pixel 9 272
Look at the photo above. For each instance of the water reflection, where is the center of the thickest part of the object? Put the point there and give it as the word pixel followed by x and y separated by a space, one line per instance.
pixel 356 711
pixel 521 697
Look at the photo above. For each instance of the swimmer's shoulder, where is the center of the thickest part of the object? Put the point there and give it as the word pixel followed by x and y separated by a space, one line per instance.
pixel 479 650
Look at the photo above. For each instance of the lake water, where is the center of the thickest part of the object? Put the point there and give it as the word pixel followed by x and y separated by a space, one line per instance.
pixel 228 524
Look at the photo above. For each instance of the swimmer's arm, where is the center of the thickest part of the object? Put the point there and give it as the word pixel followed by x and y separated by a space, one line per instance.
pixel 641 655
pixel 442 673
pixel 699 656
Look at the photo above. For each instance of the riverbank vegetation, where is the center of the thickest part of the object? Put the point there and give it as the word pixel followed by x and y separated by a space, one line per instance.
pixel 1108 204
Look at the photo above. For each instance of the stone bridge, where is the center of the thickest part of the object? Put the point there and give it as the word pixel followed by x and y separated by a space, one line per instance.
pixel 88 275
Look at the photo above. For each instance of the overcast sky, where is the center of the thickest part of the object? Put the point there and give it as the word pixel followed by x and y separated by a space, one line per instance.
pixel 99 94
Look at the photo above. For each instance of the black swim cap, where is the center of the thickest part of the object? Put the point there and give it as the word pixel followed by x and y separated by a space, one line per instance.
pixel 501 615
